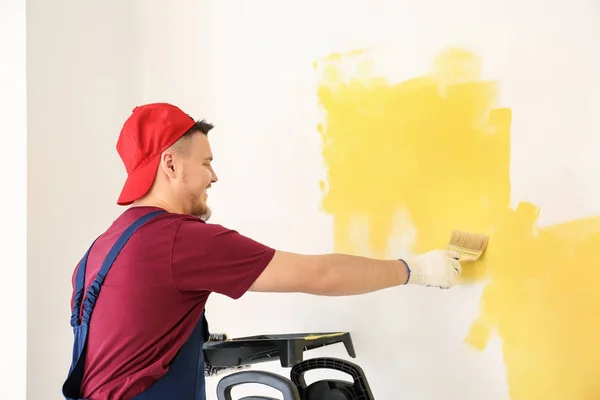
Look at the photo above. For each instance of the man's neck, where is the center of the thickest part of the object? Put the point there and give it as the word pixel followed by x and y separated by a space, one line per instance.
pixel 155 202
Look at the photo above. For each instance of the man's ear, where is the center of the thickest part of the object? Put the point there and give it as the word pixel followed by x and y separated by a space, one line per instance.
pixel 167 163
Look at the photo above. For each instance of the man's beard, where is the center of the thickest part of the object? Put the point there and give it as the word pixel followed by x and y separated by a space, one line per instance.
pixel 202 211
pixel 205 216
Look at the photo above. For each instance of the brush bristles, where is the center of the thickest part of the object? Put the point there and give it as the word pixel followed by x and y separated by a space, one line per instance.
pixel 468 240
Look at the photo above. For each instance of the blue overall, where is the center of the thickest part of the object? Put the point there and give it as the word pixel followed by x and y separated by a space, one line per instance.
pixel 185 377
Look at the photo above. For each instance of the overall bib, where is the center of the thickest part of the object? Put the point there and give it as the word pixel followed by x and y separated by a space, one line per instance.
pixel 185 378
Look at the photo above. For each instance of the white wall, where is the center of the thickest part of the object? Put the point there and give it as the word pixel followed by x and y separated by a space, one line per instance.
pixel 13 284
pixel 248 69
pixel 82 78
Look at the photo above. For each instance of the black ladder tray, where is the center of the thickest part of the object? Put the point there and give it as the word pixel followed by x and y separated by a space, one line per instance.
pixel 288 348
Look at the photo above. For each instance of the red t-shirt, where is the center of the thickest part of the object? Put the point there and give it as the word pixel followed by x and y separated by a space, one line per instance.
pixel 155 293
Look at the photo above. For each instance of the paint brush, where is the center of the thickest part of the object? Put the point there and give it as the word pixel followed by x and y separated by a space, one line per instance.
pixel 470 245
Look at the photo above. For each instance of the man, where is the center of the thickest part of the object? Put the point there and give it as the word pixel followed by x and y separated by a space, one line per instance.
pixel 140 290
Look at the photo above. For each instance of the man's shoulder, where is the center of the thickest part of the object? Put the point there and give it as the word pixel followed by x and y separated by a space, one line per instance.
pixel 162 216
pixel 183 224
pixel 178 227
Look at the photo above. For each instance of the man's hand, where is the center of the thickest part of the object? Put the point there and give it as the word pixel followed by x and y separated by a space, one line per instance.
pixel 439 268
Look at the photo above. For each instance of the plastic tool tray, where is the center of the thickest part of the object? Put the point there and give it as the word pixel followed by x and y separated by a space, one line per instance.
pixel 288 348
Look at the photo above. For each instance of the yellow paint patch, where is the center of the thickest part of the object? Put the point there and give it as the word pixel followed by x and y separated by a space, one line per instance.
pixel 329 335
pixel 437 148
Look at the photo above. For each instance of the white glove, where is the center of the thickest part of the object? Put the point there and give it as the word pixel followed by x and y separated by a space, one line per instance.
pixel 439 268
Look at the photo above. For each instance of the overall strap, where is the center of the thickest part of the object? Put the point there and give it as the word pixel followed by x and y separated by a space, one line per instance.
pixel 94 289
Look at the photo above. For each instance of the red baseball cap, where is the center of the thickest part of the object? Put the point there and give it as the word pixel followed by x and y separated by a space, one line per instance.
pixel 150 130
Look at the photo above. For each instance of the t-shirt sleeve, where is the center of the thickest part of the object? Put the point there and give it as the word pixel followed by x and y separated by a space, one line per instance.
pixel 212 258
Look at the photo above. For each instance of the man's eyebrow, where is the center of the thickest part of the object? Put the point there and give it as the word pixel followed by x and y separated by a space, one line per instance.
pixel 209 158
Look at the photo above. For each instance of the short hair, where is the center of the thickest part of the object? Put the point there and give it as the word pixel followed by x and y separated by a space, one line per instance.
pixel 181 145
pixel 199 126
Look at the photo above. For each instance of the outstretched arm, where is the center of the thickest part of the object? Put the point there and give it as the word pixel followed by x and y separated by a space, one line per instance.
pixel 211 258
pixel 343 274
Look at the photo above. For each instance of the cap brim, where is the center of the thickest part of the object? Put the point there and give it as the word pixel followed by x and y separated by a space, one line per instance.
pixel 138 183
